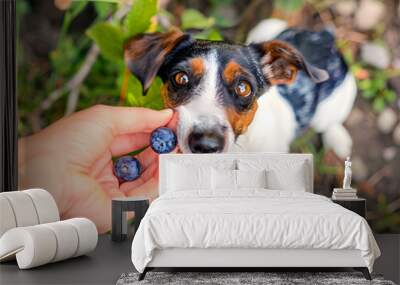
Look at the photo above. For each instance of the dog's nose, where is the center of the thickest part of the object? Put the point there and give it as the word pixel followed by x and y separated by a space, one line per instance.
pixel 206 142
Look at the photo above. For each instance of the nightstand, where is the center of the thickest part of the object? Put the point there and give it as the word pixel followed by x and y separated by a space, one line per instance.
pixel 120 206
pixel 358 205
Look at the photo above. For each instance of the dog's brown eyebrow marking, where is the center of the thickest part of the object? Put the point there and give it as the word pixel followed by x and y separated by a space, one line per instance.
pixel 232 69
pixel 168 103
pixel 197 65
pixel 240 121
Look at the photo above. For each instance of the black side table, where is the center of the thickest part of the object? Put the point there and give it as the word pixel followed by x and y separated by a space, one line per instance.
pixel 358 205
pixel 120 206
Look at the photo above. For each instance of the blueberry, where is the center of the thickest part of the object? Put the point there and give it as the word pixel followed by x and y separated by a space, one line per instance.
pixel 163 140
pixel 127 168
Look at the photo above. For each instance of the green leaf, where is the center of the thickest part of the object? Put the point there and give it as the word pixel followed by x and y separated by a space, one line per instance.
pixel 378 83
pixel 288 5
pixel 349 58
pixel 193 19
pixel 368 94
pixel 390 95
pixel 109 39
pixel 152 99
pixel 365 84
pixel 378 104
pixel 212 35
pixel 139 17
pixel 103 9
pixel 134 92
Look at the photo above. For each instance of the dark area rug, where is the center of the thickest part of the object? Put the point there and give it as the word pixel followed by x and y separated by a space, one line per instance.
pixel 273 278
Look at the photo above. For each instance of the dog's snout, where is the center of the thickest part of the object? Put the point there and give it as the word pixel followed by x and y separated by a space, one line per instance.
pixel 206 142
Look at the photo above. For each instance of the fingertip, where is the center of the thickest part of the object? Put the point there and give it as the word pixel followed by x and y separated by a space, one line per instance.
pixel 131 120
pixel 167 112
pixel 162 118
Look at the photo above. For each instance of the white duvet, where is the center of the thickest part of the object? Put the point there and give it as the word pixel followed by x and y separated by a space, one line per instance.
pixel 250 219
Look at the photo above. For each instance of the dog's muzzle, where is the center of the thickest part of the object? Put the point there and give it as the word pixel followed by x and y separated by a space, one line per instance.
pixel 206 141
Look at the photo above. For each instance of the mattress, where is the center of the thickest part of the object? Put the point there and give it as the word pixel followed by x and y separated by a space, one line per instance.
pixel 251 219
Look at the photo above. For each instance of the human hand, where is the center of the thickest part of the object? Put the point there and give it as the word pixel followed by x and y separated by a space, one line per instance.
pixel 72 159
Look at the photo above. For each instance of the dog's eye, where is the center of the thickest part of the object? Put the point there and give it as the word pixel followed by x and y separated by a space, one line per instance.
pixel 181 78
pixel 243 89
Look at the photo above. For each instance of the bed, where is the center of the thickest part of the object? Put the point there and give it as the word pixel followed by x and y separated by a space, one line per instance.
pixel 245 211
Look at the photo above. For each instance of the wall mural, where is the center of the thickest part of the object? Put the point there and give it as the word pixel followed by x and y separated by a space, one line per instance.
pixel 105 87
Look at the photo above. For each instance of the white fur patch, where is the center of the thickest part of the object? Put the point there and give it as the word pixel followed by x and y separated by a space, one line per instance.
pixel 204 110
pixel 336 108
pixel 336 137
pixel 273 127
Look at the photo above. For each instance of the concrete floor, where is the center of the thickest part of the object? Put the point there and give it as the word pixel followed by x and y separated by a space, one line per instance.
pixel 110 260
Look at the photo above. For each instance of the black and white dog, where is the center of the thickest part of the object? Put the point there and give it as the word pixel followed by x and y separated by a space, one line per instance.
pixel 249 98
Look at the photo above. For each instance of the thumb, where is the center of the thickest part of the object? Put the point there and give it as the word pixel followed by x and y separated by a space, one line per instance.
pixel 126 120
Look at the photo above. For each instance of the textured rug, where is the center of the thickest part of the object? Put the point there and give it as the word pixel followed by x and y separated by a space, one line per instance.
pixel 242 278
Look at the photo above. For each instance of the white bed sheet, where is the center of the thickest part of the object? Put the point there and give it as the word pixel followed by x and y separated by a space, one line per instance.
pixel 251 218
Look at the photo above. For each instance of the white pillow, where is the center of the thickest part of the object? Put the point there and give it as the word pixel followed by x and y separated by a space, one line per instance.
pixel 182 177
pixel 251 178
pixel 281 174
pixel 223 179
pixel 278 180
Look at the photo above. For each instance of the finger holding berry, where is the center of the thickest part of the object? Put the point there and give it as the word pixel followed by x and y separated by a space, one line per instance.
pixel 89 140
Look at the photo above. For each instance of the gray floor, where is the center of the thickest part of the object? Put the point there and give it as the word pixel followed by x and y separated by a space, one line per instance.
pixel 103 266
pixel 389 262
pixel 110 260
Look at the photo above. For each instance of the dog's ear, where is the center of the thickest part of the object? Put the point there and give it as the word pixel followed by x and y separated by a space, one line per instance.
pixel 280 62
pixel 144 54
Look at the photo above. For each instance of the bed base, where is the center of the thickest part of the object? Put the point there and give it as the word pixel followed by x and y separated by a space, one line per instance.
pixel 363 270
pixel 250 259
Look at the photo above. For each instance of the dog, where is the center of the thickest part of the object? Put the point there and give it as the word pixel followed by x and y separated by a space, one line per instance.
pixel 255 97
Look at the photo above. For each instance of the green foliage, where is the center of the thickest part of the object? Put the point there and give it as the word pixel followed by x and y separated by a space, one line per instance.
pixel 65 58
pixel 135 97
pixel 103 9
pixel 304 144
pixel 386 215
pixel 211 34
pixel 75 9
pixel 288 5
pixel 193 19
pixel 138 19
pixel 375 89
pixel 111 36
pixel 109 39
pixel 221 2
